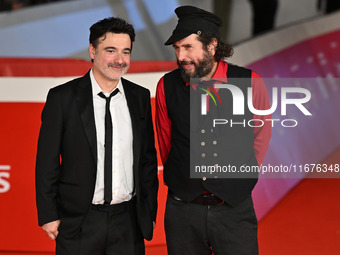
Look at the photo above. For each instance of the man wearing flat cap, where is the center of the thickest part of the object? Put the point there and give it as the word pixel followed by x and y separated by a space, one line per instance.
pixel 213 213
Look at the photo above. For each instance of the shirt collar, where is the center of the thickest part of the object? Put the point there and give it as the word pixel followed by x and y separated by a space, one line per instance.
pixel 96 88
pixel 221 71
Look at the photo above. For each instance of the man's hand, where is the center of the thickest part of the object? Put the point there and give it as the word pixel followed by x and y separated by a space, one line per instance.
pixel 51 229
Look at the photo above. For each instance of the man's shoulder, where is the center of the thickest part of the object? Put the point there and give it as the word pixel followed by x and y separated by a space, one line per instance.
pixel 69 85
pixel 173 76
pixel 131 83
pixel 170 74
pixel 134 86
pixel 238 71
pixel 175 72
pixel 235 66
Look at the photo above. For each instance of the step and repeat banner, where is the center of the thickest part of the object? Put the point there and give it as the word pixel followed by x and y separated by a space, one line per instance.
pixel 306 56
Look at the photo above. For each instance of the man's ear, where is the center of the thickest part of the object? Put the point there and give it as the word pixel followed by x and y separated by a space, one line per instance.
pixel 92 51
pixel 212 46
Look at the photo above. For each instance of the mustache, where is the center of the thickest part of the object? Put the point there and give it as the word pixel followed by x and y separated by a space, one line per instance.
pixel 185 62
pixel 117 65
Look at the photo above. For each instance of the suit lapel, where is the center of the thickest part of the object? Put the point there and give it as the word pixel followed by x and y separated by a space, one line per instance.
pixel 132 102
pixel 84 101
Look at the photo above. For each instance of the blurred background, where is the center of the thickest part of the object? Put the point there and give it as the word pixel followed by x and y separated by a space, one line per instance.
pixel 297 43
pixel 59 28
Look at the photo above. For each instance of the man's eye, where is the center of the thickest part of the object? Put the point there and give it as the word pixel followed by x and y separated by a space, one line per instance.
pixel 126 52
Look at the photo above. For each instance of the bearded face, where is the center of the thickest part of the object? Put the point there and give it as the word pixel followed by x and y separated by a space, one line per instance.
pixel 194 59
pixel 200 67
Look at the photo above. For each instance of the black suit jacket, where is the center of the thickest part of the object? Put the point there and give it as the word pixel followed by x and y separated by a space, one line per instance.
pixel 67 156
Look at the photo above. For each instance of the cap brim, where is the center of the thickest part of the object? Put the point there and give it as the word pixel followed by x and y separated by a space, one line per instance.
pixel 177 37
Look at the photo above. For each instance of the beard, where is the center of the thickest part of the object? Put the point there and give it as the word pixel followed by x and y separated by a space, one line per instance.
pixel 202 68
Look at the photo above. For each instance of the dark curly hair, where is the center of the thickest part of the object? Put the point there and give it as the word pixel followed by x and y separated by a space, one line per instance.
pixel 223 49
pixel 110 25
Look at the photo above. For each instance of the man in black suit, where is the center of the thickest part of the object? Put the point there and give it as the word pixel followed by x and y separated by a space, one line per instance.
pixel 96 169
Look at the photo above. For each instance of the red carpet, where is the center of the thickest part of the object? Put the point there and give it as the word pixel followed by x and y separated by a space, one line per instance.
pixel 305 222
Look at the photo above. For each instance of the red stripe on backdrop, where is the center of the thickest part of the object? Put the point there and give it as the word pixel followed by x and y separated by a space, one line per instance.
pixel 39 67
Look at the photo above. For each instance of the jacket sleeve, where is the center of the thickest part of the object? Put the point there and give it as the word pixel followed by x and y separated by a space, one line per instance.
pixel 149 162
pixel 48 168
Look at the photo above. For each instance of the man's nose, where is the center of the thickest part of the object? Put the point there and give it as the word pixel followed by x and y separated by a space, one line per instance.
pixel 119 58
pixel 181 55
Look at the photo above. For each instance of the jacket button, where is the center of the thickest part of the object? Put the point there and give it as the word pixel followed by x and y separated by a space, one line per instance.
pixel 214 142
pixel 204 178
pixel 202 143
pixel 202 131
pixel 203 155
pixel 215 155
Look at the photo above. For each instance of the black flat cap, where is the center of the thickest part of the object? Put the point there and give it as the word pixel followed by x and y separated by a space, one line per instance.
pixel 193 20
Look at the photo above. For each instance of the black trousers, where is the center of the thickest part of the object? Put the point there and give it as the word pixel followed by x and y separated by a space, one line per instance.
pixel 107 230
pixel 194 229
